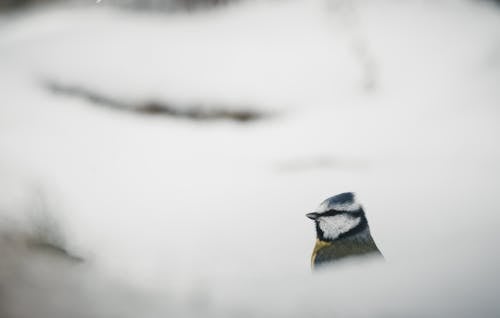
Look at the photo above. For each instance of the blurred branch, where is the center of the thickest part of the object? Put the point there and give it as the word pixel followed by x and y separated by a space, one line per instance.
pixel 46 233
pixel 348 14
pixel 194 112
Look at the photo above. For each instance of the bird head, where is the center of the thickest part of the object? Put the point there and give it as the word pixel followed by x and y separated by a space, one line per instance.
pixel 338 217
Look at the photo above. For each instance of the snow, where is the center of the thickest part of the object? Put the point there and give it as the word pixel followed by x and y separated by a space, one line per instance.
pixel 395 100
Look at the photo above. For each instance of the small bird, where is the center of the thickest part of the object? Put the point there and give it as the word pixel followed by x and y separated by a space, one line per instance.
pixel 342 231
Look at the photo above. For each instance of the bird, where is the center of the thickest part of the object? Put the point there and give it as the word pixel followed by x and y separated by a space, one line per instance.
pixel 342 231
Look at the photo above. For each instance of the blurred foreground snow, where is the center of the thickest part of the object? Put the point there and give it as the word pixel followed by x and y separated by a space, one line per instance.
pixel 397 101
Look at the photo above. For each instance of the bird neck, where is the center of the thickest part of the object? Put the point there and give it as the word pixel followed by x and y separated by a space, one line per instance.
pixel 358 244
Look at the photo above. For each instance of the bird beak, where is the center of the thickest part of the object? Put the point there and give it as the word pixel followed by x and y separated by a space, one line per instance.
pixel 313 215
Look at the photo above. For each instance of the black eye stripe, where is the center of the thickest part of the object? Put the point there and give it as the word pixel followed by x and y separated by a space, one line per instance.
pixel 357 213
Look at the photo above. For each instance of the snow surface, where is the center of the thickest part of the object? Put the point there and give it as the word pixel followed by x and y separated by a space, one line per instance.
pixel 395 100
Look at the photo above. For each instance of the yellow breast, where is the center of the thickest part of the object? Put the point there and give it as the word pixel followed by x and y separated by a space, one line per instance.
pixel 319 245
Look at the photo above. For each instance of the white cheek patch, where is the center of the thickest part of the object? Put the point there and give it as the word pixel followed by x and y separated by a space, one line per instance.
pixel 334 226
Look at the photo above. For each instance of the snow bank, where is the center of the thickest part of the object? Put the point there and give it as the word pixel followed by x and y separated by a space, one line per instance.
pixel 394 100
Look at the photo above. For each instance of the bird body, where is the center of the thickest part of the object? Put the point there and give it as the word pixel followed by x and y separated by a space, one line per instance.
pixel 342 231
pixel 328 252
